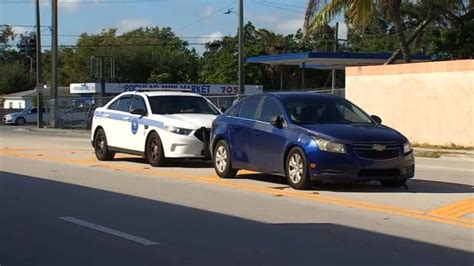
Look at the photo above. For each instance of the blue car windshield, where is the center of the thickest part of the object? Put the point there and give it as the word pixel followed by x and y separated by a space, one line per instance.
pixel 316 110
pixel 181 104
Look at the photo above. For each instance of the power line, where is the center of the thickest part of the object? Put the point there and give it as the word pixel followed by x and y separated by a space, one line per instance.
pixel 283 4
pixel 139 37
pixel 89 2
pixel 21 25
pixel 277 7
pixel 206 17
pixel 125 45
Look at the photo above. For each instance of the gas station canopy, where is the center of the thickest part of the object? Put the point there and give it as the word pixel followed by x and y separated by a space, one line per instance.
pixel 329 60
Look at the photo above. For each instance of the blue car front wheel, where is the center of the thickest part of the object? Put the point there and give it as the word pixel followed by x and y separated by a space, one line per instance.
pixel 222 160
pixel 297 169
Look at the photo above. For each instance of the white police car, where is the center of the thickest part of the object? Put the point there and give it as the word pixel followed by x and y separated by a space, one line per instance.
pixel 156 125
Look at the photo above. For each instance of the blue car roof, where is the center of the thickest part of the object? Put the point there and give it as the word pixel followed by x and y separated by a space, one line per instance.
pixel 296 94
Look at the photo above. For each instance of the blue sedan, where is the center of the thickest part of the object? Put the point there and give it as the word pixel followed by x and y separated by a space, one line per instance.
pixel 309 137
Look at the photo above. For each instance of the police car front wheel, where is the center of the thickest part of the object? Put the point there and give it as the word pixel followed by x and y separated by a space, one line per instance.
pixel 101 148
pixel 154 150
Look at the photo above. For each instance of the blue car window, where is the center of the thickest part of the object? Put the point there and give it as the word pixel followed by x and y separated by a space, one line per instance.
pixel 249 107
pixel 270 109
pixel 312 110
pixel 234 110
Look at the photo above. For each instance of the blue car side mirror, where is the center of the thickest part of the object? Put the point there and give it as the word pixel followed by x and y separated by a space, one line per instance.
pixel 277 121
pixel 377 119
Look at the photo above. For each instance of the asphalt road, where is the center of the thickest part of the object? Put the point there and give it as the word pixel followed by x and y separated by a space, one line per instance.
pixel 59 206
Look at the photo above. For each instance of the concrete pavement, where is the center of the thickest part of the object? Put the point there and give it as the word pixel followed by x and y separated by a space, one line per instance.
pixel 196 219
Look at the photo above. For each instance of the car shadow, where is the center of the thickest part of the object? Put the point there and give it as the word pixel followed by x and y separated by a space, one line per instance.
pixel 33 209
pixel 413 185
pixel 170 163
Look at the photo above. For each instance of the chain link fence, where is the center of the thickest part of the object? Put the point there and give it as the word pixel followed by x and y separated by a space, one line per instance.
pixel 77 113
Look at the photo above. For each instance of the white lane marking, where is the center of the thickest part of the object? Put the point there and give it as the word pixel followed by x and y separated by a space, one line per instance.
pixel 444 168
pixel 104 229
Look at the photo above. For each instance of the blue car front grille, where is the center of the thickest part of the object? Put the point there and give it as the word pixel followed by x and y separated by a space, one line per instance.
pixel 377 150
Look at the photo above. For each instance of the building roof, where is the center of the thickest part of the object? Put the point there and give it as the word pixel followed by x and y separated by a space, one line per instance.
pixel 329 60
pixel 18 94
pixel 62 92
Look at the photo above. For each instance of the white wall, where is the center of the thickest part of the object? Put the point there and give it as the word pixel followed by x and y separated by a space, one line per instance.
pixel 430 103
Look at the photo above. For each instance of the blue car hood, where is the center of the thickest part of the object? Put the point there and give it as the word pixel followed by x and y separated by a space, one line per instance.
pixel 355 132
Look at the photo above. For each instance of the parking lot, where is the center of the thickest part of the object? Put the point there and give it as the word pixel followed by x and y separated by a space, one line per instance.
pixel 185 214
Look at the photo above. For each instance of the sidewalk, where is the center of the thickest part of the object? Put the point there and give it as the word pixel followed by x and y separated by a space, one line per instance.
pixel 46 130
pixel 454 154
pixel 445 153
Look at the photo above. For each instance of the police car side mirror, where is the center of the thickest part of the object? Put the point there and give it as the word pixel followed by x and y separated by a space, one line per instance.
pixel 377 119
pixel 277 121
pixel 139 111
pixel 223 109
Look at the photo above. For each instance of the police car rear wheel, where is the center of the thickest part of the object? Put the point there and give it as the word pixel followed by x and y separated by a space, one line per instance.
pixel 297 169
pixel 154 150
pixel 101 148
pixel 222 162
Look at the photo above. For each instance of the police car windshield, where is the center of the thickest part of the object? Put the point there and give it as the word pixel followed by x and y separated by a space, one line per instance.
pixel 181 105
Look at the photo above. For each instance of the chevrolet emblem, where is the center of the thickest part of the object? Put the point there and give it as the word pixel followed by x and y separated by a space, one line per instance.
pixel 378 147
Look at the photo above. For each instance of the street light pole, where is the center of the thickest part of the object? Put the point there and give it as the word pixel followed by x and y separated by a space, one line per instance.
pixel 39 67
pixel 241 49
pixel 54 65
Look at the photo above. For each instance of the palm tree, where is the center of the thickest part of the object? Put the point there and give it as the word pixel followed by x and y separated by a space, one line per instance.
pixel 360 13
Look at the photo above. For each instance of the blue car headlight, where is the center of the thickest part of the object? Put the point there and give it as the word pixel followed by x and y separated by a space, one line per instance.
pixel 329 146
pixel 407 148
pixel 179 130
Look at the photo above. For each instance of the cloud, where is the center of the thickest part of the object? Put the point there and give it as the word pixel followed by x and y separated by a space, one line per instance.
pixel 69 5
pixel 213 37
pixel 289 25
pixel 278 22
pixel 22 30
pixel 133 23
pixel 266 19
pixel 207 11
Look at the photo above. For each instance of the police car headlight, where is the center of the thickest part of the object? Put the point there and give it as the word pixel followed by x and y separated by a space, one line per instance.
pixel 329 146
pixel 179 130
pixel 407 147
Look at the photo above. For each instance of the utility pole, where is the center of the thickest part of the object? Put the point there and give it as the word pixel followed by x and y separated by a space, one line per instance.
pixel 98 71
pixel 39 67
pixel 336 38
pixel 54 66
pixel 241 49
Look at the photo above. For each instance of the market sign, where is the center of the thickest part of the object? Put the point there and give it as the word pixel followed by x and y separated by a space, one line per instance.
pixel 205 89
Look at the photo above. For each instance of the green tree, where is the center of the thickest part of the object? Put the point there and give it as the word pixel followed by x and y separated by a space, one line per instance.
pixel 219 61
pixel 141 55
pixel 361 13
pixel 14 76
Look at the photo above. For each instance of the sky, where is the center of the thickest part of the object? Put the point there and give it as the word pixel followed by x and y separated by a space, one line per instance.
pixel 201 19
pixel 188 18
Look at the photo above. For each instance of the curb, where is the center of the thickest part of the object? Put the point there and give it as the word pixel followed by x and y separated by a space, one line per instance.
pixel 467 157
pixel 55 131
